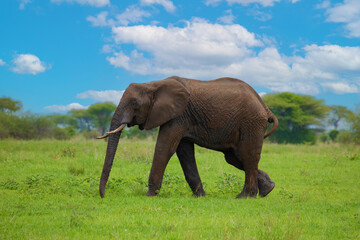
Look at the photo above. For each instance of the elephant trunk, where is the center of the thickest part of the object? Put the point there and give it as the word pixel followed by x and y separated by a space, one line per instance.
pixel 114 136
pixel 109 158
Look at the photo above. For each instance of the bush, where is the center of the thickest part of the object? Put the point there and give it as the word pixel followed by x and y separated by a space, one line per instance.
pixel 333 134
pixel 324 138
pixel 345 137
pixel 91 134
pixel 70 131
pixel 60 133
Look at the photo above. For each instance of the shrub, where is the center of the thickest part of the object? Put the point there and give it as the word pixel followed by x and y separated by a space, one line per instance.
pixel 345 137
pixel 324 138
pixel 333 134
pixel 91 134
pixel 60 133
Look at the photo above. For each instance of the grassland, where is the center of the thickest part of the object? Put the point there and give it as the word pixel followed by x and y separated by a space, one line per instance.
pixel 49 190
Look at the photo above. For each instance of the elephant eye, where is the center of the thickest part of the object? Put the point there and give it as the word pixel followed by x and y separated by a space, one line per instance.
pixel 134 103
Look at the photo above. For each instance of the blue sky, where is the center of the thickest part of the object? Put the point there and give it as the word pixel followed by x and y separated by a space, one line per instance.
pixel 61 54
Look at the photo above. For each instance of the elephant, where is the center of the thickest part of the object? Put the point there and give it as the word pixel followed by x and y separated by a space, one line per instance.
pixel 225 115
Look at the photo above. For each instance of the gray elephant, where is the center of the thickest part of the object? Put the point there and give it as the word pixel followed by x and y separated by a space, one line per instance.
pixel 225 115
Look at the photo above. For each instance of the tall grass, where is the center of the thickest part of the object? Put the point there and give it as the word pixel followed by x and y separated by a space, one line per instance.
pixel 49 190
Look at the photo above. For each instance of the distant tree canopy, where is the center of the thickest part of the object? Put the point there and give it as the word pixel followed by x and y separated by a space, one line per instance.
pixel 296 115
pixel 355 125
pixel 337 113
pixel 9 105
pixel 84 119
pixel 102 114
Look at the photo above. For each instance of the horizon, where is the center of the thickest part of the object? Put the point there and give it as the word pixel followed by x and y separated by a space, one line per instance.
pixel 57 55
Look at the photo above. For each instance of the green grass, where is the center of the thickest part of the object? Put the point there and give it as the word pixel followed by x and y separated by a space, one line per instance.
pixel 49 190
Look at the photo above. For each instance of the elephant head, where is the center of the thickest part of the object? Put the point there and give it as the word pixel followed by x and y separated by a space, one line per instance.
pixel 147 105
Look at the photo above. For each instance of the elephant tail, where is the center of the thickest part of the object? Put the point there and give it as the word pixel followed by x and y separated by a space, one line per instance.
pixel 274 120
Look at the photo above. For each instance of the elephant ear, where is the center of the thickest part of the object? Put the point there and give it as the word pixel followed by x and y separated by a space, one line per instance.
pixel 169 101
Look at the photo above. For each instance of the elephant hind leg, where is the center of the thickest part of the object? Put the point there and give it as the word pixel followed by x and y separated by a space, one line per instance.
pixel 265 184
pixel 249 153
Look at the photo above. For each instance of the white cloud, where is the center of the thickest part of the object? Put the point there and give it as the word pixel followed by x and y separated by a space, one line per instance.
pixel 132 14
pixel 135 63
pixel 198 43
pixel 212 2
pixel 106 48
pixel 324 4
pixel 102 96
pixel 167 4
pixel 207 51
pixel 333 58
pixel 348 13
pixel 100 20
pixel 2 63
pixel 23 4
pixel 265 3
pixel 28 64
pixel 341 87
pixel 94 3
pixel 228 18
pixel 65 108
pixel 259 15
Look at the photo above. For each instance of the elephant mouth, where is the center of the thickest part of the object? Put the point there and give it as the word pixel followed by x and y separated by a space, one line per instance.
pixel 134 122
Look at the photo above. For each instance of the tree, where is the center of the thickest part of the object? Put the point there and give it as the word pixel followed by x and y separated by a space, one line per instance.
pixel 8 105
pixel 102 114
pixel 84 118
pixel 63 120
pixel 355 126
pixel 337 113
pixel 297 115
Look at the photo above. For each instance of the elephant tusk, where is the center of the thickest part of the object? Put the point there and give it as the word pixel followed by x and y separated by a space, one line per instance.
pixel 113 131
pixel 101 137
pixel 118 129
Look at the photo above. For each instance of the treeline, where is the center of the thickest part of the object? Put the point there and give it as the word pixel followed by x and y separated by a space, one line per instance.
pixel 302 120
pixel 88 123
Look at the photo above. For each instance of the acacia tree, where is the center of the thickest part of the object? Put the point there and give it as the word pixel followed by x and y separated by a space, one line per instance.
pixel 102 113
pixel 84 118
pixel 296 114
pixel 9 105
pixel 337 113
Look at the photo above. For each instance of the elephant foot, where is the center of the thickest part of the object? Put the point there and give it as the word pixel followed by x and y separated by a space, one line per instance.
pixel 199 193
pixel 243 194
pixel 151 194
pixel 246 194
pixel 266 185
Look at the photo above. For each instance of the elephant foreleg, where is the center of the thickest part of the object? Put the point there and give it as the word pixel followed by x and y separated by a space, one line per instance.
pixel 168 140
pixel 186 155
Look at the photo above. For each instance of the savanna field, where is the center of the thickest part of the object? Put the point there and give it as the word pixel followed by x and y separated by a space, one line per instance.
pixel 49 190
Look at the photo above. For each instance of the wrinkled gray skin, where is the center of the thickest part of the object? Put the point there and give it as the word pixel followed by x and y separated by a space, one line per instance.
pixel 225 115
